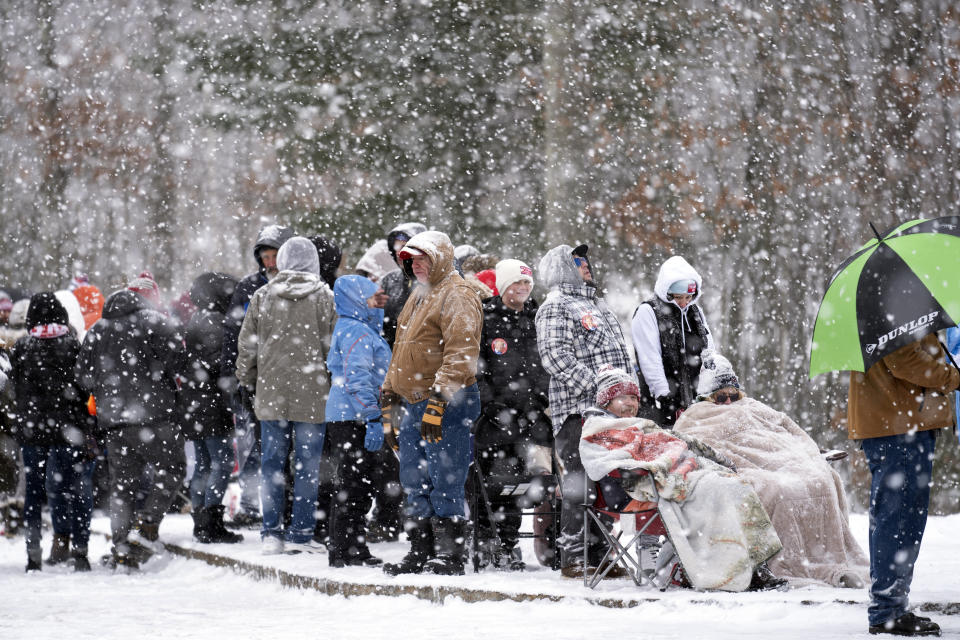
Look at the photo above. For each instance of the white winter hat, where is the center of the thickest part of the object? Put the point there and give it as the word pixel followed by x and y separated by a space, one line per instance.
pixel 716 372
pixel 510 271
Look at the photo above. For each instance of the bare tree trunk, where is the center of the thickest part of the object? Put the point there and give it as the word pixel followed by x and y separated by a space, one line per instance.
pixel 564 112
pixel 163 177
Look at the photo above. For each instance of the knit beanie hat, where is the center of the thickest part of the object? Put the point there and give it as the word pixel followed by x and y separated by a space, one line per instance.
pixel 45 309
pixel 489 278
pixel 6 302
pixel 146 286
pixel 613 382
pixel 716 372
pixel 510 271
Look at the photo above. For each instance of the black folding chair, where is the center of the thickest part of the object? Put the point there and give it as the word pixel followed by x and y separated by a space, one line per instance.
pixel 536 496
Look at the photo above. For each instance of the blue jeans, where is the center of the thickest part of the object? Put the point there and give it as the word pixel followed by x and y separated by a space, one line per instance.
pixel 901 470
pixel 307 447
pixel 65 475
pixel 433 474
pixel 211 472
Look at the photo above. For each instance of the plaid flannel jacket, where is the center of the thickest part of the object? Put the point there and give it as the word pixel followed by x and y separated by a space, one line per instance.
pixel 576 334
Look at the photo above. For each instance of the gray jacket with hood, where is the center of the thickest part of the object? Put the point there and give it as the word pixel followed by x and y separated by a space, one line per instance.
pixel 576 334
pixel 285 338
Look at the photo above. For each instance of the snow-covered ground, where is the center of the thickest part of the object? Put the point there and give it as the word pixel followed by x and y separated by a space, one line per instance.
pixel 184 599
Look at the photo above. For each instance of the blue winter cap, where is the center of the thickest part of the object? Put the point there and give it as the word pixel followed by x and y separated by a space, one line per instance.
pixel 683 286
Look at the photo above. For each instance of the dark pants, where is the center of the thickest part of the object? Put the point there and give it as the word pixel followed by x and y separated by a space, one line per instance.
pixel 130 450
pixel 572 482
pixel 63 473
pixel 354 496
pixel 504 461
pixel 387 492
pixel 901 470
pixel 211 474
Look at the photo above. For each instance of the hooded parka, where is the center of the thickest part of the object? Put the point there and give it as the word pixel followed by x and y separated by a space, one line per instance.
pixel 668 341
pixel 438 331
pixel 285 337
pixel 129 361
pixel 397 284
pixel 270 237
pixel 205 393
pixel 359 356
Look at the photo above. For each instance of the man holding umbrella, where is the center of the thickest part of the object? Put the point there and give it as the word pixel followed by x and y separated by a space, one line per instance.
pixel 894 410
pixel 878 318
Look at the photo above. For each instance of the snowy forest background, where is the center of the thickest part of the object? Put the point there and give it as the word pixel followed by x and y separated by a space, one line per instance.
pixel 755 138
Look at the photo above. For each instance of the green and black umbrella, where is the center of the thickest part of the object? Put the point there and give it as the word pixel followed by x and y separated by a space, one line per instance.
pixel 893 291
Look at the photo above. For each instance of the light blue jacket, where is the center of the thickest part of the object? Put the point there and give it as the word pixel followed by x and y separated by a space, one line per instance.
pixel 359 356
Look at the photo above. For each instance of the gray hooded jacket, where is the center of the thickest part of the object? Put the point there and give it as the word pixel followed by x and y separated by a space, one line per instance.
pixel 285 338
pixel 576 334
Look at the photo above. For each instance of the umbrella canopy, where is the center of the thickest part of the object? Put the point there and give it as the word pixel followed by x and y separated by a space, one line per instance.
pixel 894 290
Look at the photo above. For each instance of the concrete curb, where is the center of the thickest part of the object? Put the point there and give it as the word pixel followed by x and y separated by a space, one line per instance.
pixel 438 594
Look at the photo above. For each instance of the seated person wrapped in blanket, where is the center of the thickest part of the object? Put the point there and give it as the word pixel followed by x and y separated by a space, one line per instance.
pixel 798 488
pixel 714 520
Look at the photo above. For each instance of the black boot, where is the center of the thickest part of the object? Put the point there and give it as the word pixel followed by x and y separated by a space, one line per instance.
pixel 764 580
pixel 909 624
pixel 449 539
pixel 216 530
pixel 201 525
pixel 143 543
pixel 60 551
pixel 34 559
pixel 80 561
pixel 421 548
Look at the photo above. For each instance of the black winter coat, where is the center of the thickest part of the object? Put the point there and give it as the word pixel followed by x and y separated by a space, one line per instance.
pixel 397 286
pixel 129 361
pixel 205 392
pixel 513 383
pixel 233 319
pixel 51 408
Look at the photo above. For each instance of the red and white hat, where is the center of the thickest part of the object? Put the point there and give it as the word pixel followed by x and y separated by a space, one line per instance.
pixel 613 382
pixel 146 286
pixel 510 271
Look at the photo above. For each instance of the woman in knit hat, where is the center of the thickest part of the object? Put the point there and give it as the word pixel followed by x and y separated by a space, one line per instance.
pixel 802 493
pixel 714 520
pixel 53 427
pixel 513 437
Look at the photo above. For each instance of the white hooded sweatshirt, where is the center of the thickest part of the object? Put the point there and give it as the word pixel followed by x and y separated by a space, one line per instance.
pixel 646 333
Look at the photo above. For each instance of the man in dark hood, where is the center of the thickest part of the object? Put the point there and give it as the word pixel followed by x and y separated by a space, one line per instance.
pixel 268 243
pixel 330 256
pixel 397 284
pixel 129 362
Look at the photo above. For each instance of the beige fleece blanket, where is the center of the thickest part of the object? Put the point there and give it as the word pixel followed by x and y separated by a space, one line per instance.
pixel 802 494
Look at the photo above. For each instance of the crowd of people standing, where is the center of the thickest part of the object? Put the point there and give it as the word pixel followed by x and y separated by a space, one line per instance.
pixel 427 359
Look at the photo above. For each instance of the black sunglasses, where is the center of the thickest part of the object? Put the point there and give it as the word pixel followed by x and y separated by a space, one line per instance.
pixel 723 398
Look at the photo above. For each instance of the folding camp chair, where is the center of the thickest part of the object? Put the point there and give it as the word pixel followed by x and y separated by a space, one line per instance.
pixel 639 537
pixel 536 496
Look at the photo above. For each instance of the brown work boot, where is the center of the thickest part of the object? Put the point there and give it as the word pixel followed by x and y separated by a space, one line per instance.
pixel 60 550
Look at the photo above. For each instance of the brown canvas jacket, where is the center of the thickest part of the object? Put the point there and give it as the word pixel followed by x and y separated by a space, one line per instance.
pixel 906 391
pixel 438 331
